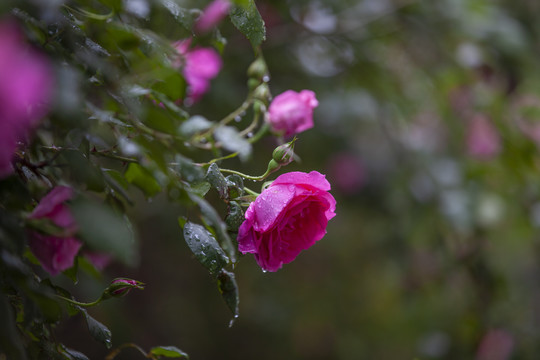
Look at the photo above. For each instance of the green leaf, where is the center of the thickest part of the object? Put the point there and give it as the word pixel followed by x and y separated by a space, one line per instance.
pixel 229 291
pixel 171 83
pixel 158 119
pixel 169 351
pixel 187 170
pixel 235 183
pixel 182 15
pixel 143 179
pixel 71 273
pixel 10 340
pixel 217 180
pixel 211 216
pixel 205 247
pixel 74 354
pixel 105 230
pixel 82 170
pixel 98 331
pixel 250 23
pixel 231 140
pixel 200 188
pixel 235 216
pixel 194 125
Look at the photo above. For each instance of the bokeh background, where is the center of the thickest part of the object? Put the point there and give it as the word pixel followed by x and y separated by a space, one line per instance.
pixel 428 129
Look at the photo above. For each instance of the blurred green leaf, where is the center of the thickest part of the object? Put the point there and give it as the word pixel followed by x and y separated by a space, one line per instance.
pixel 182 15
pixel 81 169
pixel 195 125
pixel 217 180
pixel 143 179
pixel 231 140
pixel 250 23
pixel 105 230
pixel 98 331
pixel 11 344
pixel 205 247
pixel 171 83
pixel 159 119
pixel 229 291
pixel 200 188
pixel 168 351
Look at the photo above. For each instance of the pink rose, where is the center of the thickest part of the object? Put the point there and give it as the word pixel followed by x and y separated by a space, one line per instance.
pixel 199 66
pixel 483 141
pixel 25 91
pixel 212 15
pixel 291 112
pixel 55 253
pixel 289 216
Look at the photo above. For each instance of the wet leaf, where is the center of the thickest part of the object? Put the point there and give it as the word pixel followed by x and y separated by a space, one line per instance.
pixel 235 216
pixel 205 247
pixel 250 23
pixel 235 183
pixel 98 331
pixel 229 291
pixel 217 180
pixel 182 15
pixel 211 217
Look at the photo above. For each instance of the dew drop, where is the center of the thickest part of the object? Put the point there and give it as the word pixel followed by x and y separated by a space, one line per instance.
pixel 249 134
pixel 264 271
pixel 266 78
pixel 237 118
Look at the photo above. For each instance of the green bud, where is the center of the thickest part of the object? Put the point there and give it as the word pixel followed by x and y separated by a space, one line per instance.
pixel 253 83
pixel 257 69
pixel 120 287
pixel 272 166
pixel 284 154
pixel 262 93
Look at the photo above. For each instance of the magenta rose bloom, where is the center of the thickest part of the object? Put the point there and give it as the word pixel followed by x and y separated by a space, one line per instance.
pixel 291 112
pixel 289 216
pixel 25 91
pixel 55 253
pixel 212 15
pixel 199 66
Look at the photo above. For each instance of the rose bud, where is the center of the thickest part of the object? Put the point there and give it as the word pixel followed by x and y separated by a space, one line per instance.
pixel 122 286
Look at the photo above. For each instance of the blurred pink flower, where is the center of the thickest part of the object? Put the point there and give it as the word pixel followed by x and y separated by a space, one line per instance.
pixel 199 65
pixel 483 140
pixel 291 112
pixel 289 216
pixel 55 253
pixel 25 90
pixel 346 172
pixel 212 15
pixel 497 344
pixel 98 259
